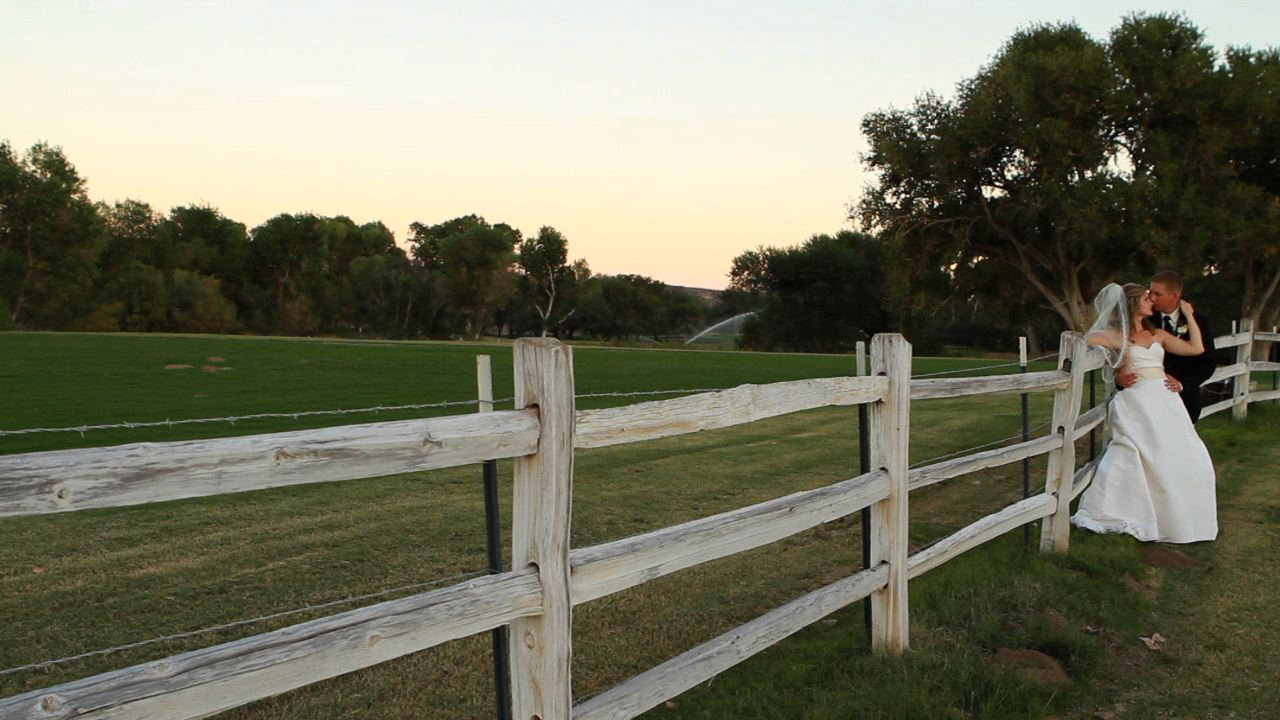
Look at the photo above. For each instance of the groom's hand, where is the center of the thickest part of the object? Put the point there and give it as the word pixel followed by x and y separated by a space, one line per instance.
pixel 1173 383
pixel 1125 378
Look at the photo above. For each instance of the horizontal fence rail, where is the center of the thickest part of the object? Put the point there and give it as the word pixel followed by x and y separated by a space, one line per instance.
pixel 551 577
pixel 65 480
pixel 714 410
pixel 687 670
pixel 1014 516
pixel 611 567
pixel 930 474
pixel 993 385
pixel 222 677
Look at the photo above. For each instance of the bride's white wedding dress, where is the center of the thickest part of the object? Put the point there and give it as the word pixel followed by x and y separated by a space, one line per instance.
pixel 1155 480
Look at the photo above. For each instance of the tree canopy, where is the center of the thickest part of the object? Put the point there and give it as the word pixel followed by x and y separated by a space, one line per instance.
pixel 1068 162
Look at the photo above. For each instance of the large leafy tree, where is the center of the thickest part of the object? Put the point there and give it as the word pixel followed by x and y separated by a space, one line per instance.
pixel 50 237
pixel 474 259
pixel 1016 171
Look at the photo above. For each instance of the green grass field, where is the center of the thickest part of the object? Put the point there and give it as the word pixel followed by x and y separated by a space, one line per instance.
pixel 77 582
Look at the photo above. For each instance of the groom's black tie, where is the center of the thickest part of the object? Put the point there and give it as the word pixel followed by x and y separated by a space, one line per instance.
pixel 1168 324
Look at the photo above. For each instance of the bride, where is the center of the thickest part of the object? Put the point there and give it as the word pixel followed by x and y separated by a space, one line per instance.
pixel 1155 480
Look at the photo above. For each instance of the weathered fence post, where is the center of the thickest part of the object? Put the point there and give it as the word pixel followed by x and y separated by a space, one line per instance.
pixel 1240 390
pixel 541 650
pixel 1055 532
pixel 890 442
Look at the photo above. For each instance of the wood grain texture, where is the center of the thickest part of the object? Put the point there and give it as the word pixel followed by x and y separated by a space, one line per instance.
pixel 1240 388
pixel 1055 534
pixel 890 423
pixel 1088 421
pixel 611 567
pixel 1217 407
pixel 1263 366
pixel 1233 340
pixel 1083 477
pixel 1266 337
pixel 989 527
pixel 210 680
pixel 541 647
pixel 1226 372
pixel 937 472
pixel 725 408
pixel 65 480
pixel 687 670
pixel 930 388
pixel 1264 395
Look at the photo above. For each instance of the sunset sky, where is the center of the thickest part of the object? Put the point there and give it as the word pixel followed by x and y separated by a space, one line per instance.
pixel 662 138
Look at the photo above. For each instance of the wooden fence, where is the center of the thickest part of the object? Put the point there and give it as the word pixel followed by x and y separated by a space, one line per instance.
pixel 536 598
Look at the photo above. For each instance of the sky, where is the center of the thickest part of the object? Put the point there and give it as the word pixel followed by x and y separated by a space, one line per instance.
pixel 662 138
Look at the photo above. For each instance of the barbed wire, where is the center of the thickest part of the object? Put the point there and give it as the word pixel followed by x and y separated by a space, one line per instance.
pixel 233 419
pixel 639 393
pixel 240 623
pixel 984 367
pixel 930 461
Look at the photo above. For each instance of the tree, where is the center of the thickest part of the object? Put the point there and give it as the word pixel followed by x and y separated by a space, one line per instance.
pixel 286 263
pixel 821 296
pixel 1249 255
pixel 1016 171
pixel 547 280
pixel 475 261
pixel 50 237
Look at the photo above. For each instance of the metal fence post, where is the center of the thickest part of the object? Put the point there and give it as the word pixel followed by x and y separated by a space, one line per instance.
pixel 1026 435
pixel 864 467
pixel 493 545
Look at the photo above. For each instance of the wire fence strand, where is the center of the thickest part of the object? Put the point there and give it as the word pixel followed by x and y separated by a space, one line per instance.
pixel 240 623
pixel 296 415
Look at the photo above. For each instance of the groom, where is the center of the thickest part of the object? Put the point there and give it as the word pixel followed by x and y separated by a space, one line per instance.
pixel 1185 372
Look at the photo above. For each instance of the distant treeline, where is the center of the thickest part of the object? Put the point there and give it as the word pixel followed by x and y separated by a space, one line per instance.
pixel 68 263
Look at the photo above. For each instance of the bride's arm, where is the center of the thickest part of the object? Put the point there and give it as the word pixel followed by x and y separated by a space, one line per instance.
pixel 1177 345
pixel 1106 338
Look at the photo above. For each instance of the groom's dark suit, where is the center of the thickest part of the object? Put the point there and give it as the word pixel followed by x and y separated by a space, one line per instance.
pixel 1191 370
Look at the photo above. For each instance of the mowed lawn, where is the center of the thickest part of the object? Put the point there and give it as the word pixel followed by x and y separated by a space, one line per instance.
pixel 79 582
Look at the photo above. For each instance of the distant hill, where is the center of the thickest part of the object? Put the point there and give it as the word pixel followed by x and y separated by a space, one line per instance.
pixel 711 296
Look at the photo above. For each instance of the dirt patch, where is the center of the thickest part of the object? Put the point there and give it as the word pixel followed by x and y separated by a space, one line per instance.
pixel 213 368
pixel 1166 557
pixel 215 359
pixel 1031 664
pixel 177 366
pixel 1054 619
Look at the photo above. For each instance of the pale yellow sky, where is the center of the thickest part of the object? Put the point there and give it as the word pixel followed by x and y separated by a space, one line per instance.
pixel 662 138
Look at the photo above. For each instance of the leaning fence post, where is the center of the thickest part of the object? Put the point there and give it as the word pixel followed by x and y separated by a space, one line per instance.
pixel 541 649
pixel 890 443
pixel 1240 389
pixel 1055 530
